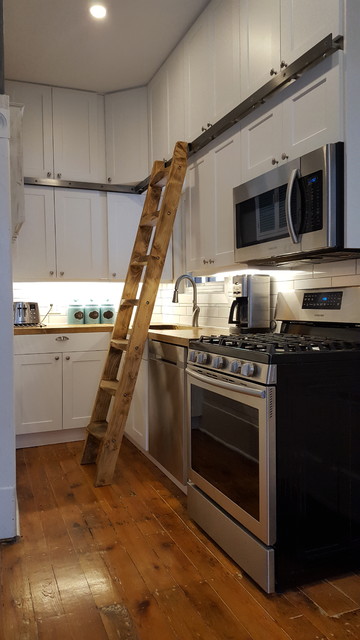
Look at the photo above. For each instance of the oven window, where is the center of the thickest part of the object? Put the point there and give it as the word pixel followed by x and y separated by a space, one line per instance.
pixel 225 446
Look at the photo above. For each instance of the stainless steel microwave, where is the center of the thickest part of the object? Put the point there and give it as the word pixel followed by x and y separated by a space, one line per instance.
pixel 295 211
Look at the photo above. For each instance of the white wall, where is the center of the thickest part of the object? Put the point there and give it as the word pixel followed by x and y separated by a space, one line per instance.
pixel 7 433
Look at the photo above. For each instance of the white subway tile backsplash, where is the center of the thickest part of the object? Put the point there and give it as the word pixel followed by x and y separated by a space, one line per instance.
pixel 346 281
pixel 341 268
pixel 314 283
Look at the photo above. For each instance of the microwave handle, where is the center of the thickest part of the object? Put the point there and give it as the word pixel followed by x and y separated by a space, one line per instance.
pixel 234 307
pixel 289 222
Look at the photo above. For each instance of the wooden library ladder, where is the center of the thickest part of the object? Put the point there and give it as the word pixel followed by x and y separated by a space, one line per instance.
pixel 115 392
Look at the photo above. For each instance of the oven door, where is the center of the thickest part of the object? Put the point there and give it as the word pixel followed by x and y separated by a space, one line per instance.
pixel 232 447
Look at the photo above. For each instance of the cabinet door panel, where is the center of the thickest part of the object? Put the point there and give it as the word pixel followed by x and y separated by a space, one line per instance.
pixel 37 127
pixel 126 135
pixel 76 136
pixel 261 141
pixel 305 22
pixel 227 176
pixel 34 248
pixel 313 114
pixel 226 57
pixel 81 372
pixel 199 83
pixel 81 234
pixel 159 116
pixel 200 216
pixel 176 85
pixel 137 421
pixel 38 392
pixel 259 43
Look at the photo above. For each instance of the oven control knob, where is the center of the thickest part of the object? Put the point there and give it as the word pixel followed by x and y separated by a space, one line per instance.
pixel 203 358
pixel 219 362
pixel 192 356
pixel 235 366
pixel 248 369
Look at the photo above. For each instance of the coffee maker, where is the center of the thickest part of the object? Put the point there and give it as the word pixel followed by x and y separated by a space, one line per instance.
pixel 250 311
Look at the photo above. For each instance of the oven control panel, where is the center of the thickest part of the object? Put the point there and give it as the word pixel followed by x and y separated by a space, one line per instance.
pixel 322 300
pixel 236 367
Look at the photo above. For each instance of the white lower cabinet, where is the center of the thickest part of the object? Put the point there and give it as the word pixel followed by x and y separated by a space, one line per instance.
pixel 55 379
pixel 137 421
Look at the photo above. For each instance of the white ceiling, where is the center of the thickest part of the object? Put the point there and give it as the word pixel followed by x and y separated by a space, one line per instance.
pixel 57 42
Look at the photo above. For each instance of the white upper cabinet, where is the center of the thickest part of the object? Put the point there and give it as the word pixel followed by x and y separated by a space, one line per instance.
pixel 34 249
pixel 64 236
pixel 63 132
pixel 123 212
pixel 209 200
pixel 166 107
pixel 212 78
pixel 274 33
pixel 78 139
pixel 37 127
pixel 81 234
pixel 126 125
pixel 306 22
pixel 259 43
pixel 199 77
pixel 158 100
pixel 307 115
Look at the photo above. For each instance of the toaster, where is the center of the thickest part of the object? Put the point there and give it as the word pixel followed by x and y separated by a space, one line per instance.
pixel 26 313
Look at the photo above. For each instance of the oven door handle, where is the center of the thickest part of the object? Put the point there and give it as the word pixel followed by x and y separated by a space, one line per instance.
pixel 288 214
pixel 227 385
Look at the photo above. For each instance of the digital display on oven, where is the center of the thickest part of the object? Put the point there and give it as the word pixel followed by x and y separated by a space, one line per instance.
pixel 322 300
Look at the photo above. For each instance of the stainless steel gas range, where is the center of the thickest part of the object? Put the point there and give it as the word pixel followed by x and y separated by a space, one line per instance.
pixel 274 440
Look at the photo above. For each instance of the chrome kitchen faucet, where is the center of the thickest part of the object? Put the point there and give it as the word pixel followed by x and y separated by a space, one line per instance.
pixel 196 309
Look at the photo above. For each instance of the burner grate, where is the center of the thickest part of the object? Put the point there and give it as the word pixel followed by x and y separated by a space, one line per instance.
pixel 281 343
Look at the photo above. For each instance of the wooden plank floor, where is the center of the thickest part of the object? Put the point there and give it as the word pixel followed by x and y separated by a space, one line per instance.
pixel 125 562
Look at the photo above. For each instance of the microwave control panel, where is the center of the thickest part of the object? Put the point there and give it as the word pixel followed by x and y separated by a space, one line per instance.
pixel 322 300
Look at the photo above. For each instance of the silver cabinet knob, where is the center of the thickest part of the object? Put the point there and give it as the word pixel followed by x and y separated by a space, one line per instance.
pixel 211 261
pixel 273 72
pixel 274 161
pixel 61 273
pixel 283 64
pixel 203 128
pixel 58 175
pixel 109 179
pixel 113 274
pixel 48 175
pixel 67 358
pixel 51 273
pixel 57 357
pixel 209 125
pixel 284 156
pixel 205 261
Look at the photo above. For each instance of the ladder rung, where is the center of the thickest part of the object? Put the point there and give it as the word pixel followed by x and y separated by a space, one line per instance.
pixel 110 386
pixel 160 178
pixel 129 302
pixel 97 429
pixel 150 219
pixel 140 262
pixel 121 345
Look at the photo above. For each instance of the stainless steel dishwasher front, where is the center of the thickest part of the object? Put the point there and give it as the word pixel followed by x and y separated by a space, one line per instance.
pixel 167 443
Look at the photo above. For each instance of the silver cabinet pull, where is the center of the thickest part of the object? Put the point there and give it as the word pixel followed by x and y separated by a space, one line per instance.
pixel 62 338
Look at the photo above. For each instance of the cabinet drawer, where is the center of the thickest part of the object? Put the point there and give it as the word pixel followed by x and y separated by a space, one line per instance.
pixel 62 342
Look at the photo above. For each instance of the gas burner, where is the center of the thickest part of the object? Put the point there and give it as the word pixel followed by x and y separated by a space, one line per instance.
pixel 278 343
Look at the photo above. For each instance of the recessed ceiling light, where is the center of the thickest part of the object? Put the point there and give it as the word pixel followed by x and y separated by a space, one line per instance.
pixel 98 11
